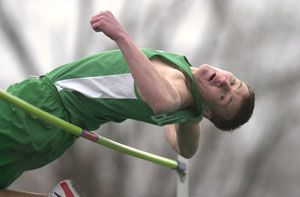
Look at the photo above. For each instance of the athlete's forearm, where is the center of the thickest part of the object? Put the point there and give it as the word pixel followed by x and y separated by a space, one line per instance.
pixel 183 137
pixel 188 137
pixel 171 136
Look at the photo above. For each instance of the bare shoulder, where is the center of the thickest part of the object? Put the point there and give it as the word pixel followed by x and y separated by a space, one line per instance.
pixel 177 77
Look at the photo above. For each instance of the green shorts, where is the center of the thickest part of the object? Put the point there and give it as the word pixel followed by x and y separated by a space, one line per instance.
pixel 26 142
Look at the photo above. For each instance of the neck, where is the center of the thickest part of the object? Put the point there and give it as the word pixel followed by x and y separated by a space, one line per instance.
pixel 196 80
pixel 191 101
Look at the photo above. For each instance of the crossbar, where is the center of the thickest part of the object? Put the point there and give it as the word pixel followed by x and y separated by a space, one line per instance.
pixel 75 130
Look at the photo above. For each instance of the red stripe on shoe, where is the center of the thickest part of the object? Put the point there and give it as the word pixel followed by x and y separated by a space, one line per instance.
pixel 66 189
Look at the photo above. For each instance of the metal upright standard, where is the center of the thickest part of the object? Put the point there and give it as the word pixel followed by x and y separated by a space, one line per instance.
pixel 183 180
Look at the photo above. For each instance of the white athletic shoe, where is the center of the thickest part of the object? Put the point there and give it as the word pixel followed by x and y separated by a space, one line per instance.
pixel 67 188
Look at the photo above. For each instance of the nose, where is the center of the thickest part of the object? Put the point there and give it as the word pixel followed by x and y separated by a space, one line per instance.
pixel 223 83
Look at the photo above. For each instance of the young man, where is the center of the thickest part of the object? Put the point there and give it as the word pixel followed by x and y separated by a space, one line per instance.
pixel 146 85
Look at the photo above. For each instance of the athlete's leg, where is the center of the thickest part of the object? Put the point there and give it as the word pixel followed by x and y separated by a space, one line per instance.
pixel 11 193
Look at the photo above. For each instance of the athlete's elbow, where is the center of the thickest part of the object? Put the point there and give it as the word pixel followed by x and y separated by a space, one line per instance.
pixel 163 101
pixel 158 109
pixel 187 151
pixel 161 107
pixel 164 105
pixel 187 154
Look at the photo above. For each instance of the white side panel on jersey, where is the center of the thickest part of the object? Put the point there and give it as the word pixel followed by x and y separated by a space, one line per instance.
pixel 111 86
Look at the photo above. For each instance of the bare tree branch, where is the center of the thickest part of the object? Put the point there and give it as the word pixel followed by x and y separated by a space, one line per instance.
pixel 22 53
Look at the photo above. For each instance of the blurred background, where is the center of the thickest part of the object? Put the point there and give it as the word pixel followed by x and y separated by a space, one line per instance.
pixel 259 41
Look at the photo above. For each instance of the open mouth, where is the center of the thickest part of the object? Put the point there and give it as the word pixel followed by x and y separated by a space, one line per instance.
pixel 211 76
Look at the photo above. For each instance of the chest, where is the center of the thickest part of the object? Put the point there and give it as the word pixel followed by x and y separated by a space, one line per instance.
pixel 181 81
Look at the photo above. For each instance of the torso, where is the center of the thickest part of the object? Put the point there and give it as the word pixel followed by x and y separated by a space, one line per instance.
pixel 82 86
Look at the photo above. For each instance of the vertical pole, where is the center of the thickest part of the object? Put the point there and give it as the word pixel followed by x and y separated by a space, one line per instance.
pixel 182 180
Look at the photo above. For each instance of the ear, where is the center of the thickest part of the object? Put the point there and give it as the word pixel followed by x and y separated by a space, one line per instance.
pixel 207 112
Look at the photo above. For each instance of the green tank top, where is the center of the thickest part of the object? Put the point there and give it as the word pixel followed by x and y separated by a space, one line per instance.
pixel 100 88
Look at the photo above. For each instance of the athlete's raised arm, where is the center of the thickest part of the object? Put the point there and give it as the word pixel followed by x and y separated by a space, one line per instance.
pixel 155 89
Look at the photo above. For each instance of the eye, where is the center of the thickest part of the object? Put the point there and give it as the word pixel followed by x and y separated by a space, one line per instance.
pixel 233 82
pixel 222 97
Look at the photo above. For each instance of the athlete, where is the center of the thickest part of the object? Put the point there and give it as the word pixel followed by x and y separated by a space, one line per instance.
pixel 152 86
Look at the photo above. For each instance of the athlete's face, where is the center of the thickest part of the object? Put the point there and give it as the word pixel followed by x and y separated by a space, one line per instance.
pixel 221 91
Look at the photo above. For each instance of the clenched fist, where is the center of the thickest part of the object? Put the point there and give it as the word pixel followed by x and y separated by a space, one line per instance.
pixel 106 22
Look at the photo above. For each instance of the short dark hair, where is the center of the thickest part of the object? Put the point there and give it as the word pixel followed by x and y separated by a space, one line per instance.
pixel 242 116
